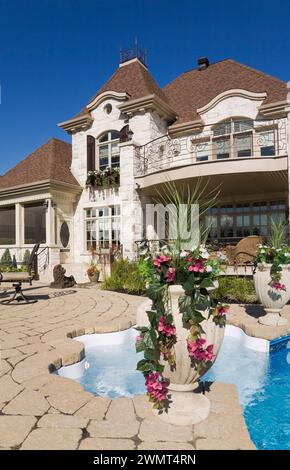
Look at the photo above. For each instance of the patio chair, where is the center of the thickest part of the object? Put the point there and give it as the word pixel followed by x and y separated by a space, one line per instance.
pixel 17 278
pixel 244 252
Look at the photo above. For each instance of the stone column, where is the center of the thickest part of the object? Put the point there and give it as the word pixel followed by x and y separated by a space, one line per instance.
pixel 131 206
pixel 50 224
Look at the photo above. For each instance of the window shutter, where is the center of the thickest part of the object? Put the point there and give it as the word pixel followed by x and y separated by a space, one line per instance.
pixel 124 133
pixel 91 154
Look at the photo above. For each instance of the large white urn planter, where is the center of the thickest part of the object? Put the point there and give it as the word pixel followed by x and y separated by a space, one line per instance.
pixel 186 406
pixel 273 300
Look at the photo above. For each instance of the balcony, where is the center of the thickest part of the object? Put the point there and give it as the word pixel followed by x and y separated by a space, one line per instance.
pixel 233 147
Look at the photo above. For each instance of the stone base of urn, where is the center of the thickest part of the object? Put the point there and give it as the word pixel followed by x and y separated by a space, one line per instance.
pixel 186 406
pixel 272 318
pixel 185 409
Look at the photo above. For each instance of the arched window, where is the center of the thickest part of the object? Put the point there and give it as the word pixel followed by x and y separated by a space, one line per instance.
pixel 233 138
pixel 108 154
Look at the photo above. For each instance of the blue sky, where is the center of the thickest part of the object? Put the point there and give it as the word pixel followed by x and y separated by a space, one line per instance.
pixel 55 54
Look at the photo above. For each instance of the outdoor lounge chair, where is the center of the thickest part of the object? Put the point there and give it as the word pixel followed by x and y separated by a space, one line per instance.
pixel 244 252
pixel 17 278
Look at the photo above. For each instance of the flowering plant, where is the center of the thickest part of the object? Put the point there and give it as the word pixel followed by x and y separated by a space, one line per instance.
pixel 196 272
pixel 103 178
pixel 277 257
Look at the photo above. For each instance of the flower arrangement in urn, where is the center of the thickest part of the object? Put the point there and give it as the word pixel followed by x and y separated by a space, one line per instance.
pixel 93 271
pixel 272 275
pixel 184 331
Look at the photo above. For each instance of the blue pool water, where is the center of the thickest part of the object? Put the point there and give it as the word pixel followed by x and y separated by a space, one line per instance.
pixel 262 379
pixel 263 382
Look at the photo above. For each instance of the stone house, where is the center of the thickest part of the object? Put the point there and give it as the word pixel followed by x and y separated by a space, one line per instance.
pixel 223 123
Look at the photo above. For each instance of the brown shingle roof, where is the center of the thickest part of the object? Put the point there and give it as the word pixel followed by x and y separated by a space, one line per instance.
pixel 132 78
pixel 51 161
pixel 194 89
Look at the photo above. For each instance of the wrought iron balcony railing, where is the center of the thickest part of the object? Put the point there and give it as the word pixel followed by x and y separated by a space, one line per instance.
pixel 239 140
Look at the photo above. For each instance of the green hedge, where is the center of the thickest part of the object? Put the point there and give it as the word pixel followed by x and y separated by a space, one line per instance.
pixel 125 277
pixel 235 289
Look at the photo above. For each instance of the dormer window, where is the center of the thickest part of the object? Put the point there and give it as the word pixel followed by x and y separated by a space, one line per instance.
pixel 108 154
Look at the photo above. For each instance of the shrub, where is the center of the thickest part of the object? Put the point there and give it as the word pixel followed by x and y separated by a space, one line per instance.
pixel 6 259
pixel 26 258
pixel 125 277
pixel 235 289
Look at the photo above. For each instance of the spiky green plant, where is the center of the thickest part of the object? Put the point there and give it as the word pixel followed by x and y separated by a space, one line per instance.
pixel 199 194
pixel 278 234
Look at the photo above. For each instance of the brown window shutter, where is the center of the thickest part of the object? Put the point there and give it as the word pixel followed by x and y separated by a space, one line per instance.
pixel 91 154
pixel 124 133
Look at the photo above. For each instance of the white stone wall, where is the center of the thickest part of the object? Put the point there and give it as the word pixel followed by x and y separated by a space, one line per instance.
pixel 146 126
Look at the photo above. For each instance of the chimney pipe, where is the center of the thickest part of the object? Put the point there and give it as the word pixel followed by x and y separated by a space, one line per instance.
pixel 203 63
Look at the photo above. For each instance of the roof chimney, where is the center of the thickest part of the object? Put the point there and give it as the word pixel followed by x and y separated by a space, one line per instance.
pixel 203 63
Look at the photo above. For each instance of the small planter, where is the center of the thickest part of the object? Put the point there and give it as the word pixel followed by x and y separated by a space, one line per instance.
pixel 94 277
pixel 272 300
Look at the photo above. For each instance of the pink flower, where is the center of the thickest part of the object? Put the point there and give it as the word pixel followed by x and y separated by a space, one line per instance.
pixel 157 388
pixel 197 266
pixel 170 274
pixel 278 286
pixel 222 310
pixel 197 351
pixel 164 328
pixel 138 338
pixel 162 259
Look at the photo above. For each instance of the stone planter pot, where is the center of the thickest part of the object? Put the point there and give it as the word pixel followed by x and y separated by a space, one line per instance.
pixel 95 277
pixel 186 406
pixel 272 300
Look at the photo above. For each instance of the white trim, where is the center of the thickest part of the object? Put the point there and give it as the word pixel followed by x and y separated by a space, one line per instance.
pixel 257 344
pixel 123 64
pixel 230 93
pixel 105 96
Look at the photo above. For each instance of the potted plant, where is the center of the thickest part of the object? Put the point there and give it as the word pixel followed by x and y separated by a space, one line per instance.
pixel 183 333
pixel 93 271
pixel 272 275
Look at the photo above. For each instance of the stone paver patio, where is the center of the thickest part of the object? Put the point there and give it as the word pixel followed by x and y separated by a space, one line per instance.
pixel 43 411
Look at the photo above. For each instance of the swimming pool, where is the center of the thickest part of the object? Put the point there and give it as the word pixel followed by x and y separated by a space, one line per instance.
pixel 263 382
pixel 262 378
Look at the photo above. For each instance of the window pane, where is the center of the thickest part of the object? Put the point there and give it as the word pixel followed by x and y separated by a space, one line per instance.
pixel 222 129
pixel 104 162
pixel 34 224
pixel 202 151
pixel 115 135
pixel 222 148
pixel 243 145
pixel 7 226
pixel 103 150
pixel 104 138
pixel 240 126
pixel 266 141
pixel 115 149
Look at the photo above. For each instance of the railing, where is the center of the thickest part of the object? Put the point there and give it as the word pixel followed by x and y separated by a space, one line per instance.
pixel 265 139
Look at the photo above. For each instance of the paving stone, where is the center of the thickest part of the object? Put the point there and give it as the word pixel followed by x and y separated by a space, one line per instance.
pixel 70 402
pixel 152 430
pixel 96 408
pixel 121 411
pixel 165 446
pixel 110 429
pixel 8 388
pixel 4 367
pixel 106 444
pixel 27 403
pixel 14 429
pixel 62 421
pixel 60 385
pixel 52 439
pixel 221 426
pixel 7 353
pixel 229 443
pixel 39 381
pixel 142 407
